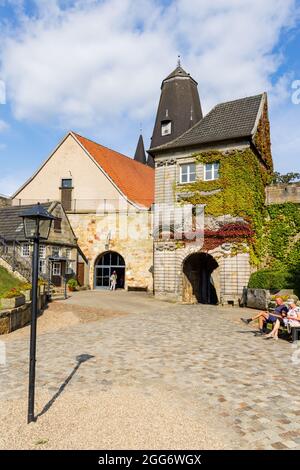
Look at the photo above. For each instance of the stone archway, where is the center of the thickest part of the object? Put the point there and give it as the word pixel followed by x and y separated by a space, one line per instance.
pixel 198 284
pixel 105 265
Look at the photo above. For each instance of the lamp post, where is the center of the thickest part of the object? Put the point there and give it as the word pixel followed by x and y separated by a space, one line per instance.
pixel 37 223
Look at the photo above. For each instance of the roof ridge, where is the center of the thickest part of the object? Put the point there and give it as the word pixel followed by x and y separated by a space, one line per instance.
pixel 169 144
pixel 108 148
pixel 238 99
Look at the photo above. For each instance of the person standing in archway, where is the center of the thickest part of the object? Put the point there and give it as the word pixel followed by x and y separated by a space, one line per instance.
pixel 113 281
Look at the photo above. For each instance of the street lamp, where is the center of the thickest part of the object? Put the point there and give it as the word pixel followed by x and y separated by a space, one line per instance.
pixel 37 224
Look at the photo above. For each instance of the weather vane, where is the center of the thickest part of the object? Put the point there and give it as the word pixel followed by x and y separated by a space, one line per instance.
pixel 178 61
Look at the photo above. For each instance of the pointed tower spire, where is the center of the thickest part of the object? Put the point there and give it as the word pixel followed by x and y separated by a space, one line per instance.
pixel 140 155
pixel 179 107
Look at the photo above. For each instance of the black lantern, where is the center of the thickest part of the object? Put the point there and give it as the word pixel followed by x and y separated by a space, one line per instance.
pixel 37 223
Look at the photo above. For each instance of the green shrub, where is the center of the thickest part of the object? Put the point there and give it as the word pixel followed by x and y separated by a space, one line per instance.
pixel 72 284
pixel 270 279
pixel 12 293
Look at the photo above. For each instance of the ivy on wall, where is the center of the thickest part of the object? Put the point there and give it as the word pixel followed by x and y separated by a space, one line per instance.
pixel 242 191
pixel 262 139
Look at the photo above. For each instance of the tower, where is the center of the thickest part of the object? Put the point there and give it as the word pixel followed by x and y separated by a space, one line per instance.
pixel 179 107
pixel 140 155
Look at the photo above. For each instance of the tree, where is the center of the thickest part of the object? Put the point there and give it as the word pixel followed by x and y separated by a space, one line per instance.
pixel 285 179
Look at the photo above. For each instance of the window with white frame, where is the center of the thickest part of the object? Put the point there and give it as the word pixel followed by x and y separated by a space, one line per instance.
pixel 56 269
pixel 188 173
pixel 25 249
pixel 56 251
pixel 211 171
pixel 68 253
pixel 166 127
pixel 42 266
pixel 42 250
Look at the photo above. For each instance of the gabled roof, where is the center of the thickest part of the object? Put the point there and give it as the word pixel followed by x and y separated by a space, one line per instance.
pixel 226 121
pixel 134 179
pixel 11 224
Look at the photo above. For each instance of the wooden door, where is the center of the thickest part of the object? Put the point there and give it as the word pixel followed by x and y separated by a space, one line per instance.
pixel 80 273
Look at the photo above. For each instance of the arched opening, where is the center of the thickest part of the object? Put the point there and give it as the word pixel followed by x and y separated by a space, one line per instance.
pixel 198 283
pixel 105 265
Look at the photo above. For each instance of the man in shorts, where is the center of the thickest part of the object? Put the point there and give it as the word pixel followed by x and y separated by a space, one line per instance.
pixel 279 312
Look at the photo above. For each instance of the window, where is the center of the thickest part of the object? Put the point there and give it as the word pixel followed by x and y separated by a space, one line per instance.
pixel 166 127
pixel 55 251
pixel 211 171
pixel 57 225
pixel 188 173
pixel 56 269
pixel 69 267
pixel 25 249
pixel 42 266
pixel 68 253
pixel 42 251
pixel 66 183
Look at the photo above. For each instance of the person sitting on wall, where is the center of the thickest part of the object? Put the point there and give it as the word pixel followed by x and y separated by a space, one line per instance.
pixel 291 319
pixel 263 317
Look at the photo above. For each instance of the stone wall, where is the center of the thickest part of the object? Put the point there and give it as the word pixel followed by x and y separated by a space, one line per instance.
pixel 11 320
pixel 4 201
pixel 281 193
pixel 233 270
pixel 128 234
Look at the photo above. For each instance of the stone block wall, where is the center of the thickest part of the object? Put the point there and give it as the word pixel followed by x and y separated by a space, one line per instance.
pixel 127 234
pixel 281 193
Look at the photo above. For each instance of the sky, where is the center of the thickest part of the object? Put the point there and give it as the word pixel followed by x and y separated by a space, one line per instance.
pixel 96 67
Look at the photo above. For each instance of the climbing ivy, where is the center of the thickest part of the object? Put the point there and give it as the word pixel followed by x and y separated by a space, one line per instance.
pixel 241 191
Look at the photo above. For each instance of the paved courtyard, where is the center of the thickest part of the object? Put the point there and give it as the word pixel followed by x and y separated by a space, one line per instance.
pixel 201 358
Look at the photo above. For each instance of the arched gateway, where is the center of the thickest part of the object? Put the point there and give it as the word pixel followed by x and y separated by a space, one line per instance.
pixel 105 265
pixel 197 279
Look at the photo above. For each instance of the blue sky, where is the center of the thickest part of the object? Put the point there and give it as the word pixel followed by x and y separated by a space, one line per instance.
pixel 96 67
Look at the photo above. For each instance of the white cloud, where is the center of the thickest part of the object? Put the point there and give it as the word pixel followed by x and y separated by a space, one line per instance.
pixel 95 65
pixel 3 125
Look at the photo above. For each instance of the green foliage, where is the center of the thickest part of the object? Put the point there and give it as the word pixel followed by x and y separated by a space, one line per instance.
pixel 72 284
pixel 12 293
pixel 7 281
pixel 242 191
pixel 269 279
pixel 285 179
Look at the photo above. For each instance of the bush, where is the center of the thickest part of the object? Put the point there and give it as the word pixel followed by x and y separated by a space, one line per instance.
pixel 12 293
pixel 72 284
pixel 270 279
pixel 26 286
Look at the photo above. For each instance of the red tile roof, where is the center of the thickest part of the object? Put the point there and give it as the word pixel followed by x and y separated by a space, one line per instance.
pixel 135 180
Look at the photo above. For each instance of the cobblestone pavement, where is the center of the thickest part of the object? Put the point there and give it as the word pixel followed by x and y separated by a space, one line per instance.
pixel 198 351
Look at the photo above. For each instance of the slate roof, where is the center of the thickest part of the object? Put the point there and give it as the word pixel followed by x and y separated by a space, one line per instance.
pixel 179 103
pixel 11 225
pixel 178 72
pixel 140 155
pixel 134 179
pixel 226 121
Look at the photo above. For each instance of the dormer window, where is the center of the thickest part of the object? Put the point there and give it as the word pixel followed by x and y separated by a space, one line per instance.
pixel 166 127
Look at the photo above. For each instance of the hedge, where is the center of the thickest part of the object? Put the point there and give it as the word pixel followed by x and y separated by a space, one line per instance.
pixel 270 279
